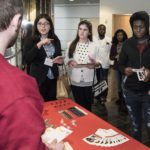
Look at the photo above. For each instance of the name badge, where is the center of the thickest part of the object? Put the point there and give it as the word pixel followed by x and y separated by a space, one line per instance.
pixel 48 62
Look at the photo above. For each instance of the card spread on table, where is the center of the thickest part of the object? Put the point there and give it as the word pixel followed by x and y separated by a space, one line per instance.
pixel 59 134
pixel 106 138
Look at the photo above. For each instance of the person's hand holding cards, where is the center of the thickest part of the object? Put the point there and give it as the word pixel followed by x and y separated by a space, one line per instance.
pixel 143 74
pixel 58 60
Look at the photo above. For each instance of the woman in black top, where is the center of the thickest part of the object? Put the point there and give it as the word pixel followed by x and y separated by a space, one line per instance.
pixel 134 59
pixel 119 37
pixel 43 53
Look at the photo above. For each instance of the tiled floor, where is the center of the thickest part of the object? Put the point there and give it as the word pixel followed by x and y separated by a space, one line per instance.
pixel 112 114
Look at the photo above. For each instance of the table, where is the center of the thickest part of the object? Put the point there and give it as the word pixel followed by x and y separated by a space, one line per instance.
pixel 84 126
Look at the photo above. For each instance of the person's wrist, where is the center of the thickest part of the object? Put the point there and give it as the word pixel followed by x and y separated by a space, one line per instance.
pixel 39 45
pixel 42 43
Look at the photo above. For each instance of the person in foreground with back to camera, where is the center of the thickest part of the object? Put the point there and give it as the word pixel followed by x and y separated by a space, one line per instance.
pixel 43 53
pixel 134 62
pixel 81 57
pixel 21 123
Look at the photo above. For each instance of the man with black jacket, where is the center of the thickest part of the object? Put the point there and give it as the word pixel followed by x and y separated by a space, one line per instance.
pixel 135 64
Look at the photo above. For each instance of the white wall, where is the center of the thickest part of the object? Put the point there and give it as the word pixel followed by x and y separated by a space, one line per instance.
pixel 110 7
pixel 67 17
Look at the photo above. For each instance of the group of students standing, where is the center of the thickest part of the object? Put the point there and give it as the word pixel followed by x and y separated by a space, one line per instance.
pixel 21 104
pixel 84 54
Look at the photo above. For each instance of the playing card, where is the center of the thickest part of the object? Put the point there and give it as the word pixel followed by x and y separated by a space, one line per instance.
pixel 92 139
pixel 105 138
pixel 105 133
pixel 103 142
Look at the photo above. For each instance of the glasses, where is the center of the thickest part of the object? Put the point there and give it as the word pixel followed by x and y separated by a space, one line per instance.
pixel 43 24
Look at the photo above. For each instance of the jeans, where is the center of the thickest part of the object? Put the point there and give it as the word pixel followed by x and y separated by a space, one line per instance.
pixel 138 105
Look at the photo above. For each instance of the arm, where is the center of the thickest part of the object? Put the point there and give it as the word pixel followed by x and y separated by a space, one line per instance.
pixel 123 60
pixel 22 126
pixel 95 61
pixel 147 75
pixel 58 59
pixel 30 50
pixel 112 53
pixel 69 61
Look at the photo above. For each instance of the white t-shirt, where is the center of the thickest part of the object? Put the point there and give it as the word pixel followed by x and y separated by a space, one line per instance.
pixel 104 46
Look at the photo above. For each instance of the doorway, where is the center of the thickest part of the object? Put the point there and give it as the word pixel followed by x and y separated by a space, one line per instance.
pixel 121 22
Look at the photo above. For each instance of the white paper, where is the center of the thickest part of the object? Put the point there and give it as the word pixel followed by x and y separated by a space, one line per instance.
pixel 48 62
pixel 104 132
pixel 59 134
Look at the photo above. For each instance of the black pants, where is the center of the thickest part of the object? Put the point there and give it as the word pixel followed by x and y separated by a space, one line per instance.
pixel 83 96
pixel 48 89
pixel 102 74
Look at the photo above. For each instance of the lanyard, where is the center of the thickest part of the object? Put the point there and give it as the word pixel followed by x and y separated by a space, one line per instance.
pixel 49 49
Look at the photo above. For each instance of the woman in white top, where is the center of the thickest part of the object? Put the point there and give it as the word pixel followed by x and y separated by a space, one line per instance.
pixel 82 57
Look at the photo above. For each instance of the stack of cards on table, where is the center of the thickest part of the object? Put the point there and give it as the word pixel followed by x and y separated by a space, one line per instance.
pixel 106 138
pixel 59 134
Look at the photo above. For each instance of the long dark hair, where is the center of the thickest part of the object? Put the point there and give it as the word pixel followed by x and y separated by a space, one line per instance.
pixel 75 41
pixel 115 40
pixel 51 33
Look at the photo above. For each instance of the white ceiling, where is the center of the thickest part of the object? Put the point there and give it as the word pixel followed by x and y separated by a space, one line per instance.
pixel 76 1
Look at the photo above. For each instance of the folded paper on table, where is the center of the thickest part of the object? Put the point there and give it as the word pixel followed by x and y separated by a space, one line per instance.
pixel 59 134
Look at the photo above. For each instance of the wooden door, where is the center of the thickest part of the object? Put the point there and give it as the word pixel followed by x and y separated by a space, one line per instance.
pixel 121 22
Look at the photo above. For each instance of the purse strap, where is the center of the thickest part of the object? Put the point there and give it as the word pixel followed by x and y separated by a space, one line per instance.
pixel 64 71
pixel 94 77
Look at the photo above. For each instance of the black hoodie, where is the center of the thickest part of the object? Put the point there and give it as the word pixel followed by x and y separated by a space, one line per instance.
pixel 131 57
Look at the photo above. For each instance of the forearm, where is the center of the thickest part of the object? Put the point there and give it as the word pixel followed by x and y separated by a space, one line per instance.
pixel 22 127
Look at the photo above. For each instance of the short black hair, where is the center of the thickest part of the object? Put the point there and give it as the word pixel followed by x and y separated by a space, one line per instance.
pixel 8 9
pixel 140 15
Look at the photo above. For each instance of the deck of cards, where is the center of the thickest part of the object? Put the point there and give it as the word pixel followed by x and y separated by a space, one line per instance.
pixel 105 138
pixel 140 73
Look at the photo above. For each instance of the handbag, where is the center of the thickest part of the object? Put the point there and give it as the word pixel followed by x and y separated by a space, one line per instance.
pixel 99 87
pixel 61 89
pixel 66 82
pixel 63 85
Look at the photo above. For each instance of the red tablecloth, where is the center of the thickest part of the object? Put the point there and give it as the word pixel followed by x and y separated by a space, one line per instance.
pixel 85 126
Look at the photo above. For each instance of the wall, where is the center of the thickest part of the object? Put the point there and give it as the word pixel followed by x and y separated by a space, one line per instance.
pixel 67 17
pixel 110 7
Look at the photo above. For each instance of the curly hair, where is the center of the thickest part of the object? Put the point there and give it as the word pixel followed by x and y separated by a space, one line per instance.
pixel 115 40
